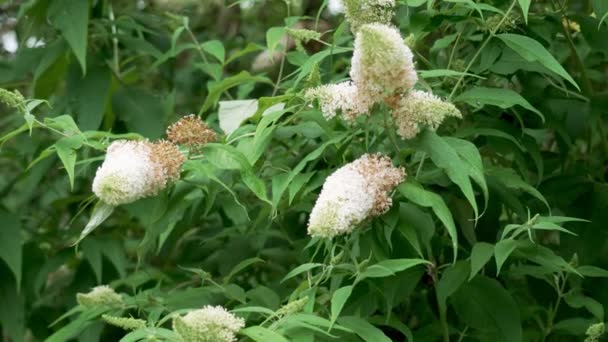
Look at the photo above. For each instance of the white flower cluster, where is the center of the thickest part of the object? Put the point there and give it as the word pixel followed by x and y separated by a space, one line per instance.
pixel 420 109
pixel 136 169
pixel 209 324
pixel 342 97
pixel 352 193
pixel 382 64
pixel 98 296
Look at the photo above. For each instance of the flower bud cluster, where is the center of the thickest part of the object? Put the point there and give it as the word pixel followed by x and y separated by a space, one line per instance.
pixel 102 295
pixel 209 324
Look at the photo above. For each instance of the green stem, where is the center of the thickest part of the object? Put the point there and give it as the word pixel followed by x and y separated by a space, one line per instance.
pixel 483 45
pixel 390 133
pixel 553 313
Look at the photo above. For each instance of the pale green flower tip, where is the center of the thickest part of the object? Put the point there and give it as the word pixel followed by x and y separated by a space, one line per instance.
pixel 102 295
pixel 209 324
pixel 127 323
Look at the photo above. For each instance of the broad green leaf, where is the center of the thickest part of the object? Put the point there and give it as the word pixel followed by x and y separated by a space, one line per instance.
pixel 232 113
pixel 261 334
pixel 145 334
pixel 216 49
pixel 363 329
pixel 533 51
pixel 502 250
pixel 389 267
pixel 445 73
pixel 415 3
pixel 66 150
pixel 89 95
pixel 300 269
pixel 11 242
pixel 577 300
pixel 229 158
pixel 141 111
pixel 101 212
pixel 451 280
pixel 241 266
pixel 216 89
pixel 600 7
pixel 273 38
pixel 525 7
pixel 446 158
pixel 484 305
pixel 592 271
pixel 510 179
pixel 92 252
pixel 72 19
pixel 470 155
pixel 338 299
pixel 480 255
pixel 13 310
pixel 500 97
pixel 417 194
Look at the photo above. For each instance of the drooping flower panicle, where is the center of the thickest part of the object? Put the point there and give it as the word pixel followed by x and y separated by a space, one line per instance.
pixel 419 109
pixel 342 98
pixel 191 131
pixel 209 324
pixel 102 295
pixel 382 64
pixel 136 169
pixel 352 193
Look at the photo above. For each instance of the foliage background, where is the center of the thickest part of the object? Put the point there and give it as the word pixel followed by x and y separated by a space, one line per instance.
pixel 131 67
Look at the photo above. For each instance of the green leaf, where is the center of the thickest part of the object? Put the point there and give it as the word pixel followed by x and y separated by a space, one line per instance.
pixel 470 156
pixel 445 73
pixel 338 299
pixel 525 7
pixel 363 329
pixel 241 266
pixel 533 51
pixel 600 7
pixel 89 95
pixel 485 305
pixel 141 111
pixel 216 49
pixel 592 271
pixel 217 88
pixel 101 212
pixel 446 158
pixel 389 267
pixel 66 150
pixel 229 158
pixel 502 250
pixel 500 97
pixel 417 194
pixel 451 280
pixel 510 179
pixel 261 334
pixel 300 269
pixel 273 37
pixel 11 242
pixel 72 19
pixel 232 113
pixel 480 255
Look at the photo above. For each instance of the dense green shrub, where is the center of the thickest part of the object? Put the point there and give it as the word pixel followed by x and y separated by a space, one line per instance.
pixel 420 170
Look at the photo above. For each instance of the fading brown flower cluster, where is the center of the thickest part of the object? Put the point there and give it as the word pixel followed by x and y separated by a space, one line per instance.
pixel 191 131
pixel 167 155
pixel 379 172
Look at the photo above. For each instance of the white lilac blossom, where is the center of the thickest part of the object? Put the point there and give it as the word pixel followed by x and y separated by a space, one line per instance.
pixel 335 7
pixel 136 169
pixel 382 64
pixel 102 295
pixel 342 98
pixel 361 12
pixel 419 109
pixel 354 192
pixel 209 324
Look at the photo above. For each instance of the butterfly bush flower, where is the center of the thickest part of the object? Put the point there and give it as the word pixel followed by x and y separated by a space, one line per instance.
pixel 353 193
pixel 382 64
pixel 361 12
pixel 191 131
pixel 420 109
pixel 98 296
pixel 209 324
pixel 343 97
pixel 136 169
